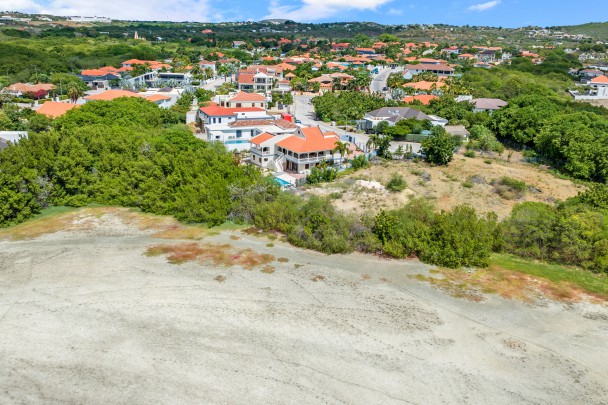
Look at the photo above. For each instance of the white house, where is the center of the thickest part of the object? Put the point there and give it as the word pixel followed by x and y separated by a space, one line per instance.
pixel 236 135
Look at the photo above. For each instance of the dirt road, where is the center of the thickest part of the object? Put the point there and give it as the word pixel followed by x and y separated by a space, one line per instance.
pixel 87 317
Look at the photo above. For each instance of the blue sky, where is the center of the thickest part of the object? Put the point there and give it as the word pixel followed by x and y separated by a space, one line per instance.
pixel 506 13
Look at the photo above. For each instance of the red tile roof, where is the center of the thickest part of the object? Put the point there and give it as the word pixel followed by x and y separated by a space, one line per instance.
pixel 263 137
pixel 245 78
pixel 600 79
pixel 157 97
pixel 111 95
pixel 55 109
pixel 311 139
pixel 423 98
pixel 242 96
pixel 217 111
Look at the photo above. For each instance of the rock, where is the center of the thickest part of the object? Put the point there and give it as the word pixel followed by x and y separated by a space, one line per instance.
pixel 551 200
pixel 477 179
pixel 425 176
pixel 534 190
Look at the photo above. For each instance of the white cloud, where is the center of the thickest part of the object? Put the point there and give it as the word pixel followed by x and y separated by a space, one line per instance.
pixel 484 6
pixel 175 10
pixel 395 11
pixel 312 10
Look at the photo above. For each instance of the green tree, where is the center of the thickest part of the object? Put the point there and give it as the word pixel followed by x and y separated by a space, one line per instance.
pixel 439 147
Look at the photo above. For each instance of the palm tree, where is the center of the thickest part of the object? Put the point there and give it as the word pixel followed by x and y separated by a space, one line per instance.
pixel 74 93
pixel 372 142
pixel 343 148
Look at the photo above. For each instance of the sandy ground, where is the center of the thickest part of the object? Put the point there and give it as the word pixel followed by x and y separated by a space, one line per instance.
pixel 87 317
pixel 445 185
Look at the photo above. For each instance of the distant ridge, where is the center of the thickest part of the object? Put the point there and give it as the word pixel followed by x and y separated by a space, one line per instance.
pixel 275 21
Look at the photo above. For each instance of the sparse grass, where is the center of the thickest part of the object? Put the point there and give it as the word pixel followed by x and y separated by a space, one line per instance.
pixel 217 255
pixel 234 237
pixel 318 277
pixel 525 280
pixel 487 161
pixel 509 188
pixel 219 278
pixel 283 260
pixel 467 184
pixel 365 277
pixel 298 265
pixel 596 284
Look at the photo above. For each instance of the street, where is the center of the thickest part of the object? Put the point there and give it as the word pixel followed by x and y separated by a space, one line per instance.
pixel 379 80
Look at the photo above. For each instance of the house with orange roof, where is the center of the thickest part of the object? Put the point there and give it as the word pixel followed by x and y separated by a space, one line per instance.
pixel 54 109
pixel 598 89
pixel 110 95
pixel 424 99
pixel 298 152
pixel 237 134
pixel 425 86
pixel 20 89
pixel 242 99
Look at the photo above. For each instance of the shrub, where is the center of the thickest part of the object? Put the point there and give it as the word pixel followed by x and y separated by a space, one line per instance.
pixel 467 184
pixel 509 188
pixel 396 183
pixel 470 154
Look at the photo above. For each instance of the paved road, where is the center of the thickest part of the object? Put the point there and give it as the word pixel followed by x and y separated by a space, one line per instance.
pixel 215 83
pixel 379 81
pixel 304 111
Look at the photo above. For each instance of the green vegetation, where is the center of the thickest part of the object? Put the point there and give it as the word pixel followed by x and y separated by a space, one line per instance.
pixel 439 147
pixel 589 282
pixel 396 183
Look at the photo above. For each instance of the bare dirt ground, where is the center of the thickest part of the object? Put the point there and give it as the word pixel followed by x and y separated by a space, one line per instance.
pixel 98 314
pixel 444 185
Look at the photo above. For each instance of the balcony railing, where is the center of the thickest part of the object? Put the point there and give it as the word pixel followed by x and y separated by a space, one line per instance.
pixel 314 159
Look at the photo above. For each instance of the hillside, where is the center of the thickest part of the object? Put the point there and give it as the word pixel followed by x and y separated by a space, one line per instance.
pixel 597 30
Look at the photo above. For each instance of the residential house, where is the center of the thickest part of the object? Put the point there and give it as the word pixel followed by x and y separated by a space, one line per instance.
pixel 426 86
pixel 222 115
pixel 54 109
pixel 487 104
pixel 424 99
pixel 242 99
pixel 458 130
pixel 238 44
pixel 19 89
pixel 486 56
pixel 298 152
pixel 258 82
pixel 392 115
pixel 236 135
pixel 451 50
pixel 438 69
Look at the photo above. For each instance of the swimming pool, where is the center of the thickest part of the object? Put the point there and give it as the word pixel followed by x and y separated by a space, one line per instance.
pixel 236 141
pixel 282 183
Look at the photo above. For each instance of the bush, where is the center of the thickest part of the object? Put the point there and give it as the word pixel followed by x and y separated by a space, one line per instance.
pixel 359 162
pixel 321 175
pixel 396 183
pixel 470 154
pixel 509 188
pixel 467 184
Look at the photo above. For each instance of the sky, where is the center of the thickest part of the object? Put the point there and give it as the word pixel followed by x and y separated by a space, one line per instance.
pixel 505 13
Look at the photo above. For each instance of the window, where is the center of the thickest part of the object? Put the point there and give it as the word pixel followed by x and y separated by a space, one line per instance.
pixel 238 105
pixel 265 159
pixel 239 133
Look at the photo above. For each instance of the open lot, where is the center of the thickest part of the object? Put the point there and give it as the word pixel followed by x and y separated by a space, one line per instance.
pixel 99 314
pixel 445 185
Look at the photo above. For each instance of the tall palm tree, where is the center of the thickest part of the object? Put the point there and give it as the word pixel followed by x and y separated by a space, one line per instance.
pixel 343 148
pixel 74 93
pixel 372 142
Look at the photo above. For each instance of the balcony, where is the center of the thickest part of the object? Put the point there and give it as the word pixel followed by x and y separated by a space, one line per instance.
pixel 307 157
pixel 262 151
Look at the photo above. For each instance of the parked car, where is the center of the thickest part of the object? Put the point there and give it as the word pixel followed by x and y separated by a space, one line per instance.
pixel 298 122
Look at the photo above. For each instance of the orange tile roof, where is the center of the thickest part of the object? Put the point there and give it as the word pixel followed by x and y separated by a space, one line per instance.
pixel 600 79
pixel 245 78
pixel 55 109
pixel 157 97
pixel 310 139
pixel 217 111
pixel 423 98
pixel 242 96
pixel 261 138
pixel 31 88
pixel 111 95
pixel 424 85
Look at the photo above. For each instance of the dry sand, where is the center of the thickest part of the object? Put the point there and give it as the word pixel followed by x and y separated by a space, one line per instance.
pixel 87 317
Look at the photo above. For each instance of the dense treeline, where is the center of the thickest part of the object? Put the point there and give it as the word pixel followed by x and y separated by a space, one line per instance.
pixel 126 152
pixel 347 106
pixel 571 136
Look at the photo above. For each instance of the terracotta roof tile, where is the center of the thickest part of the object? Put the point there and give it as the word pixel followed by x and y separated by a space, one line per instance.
pixel 310 139
pixel 263 137
pixel 55 109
